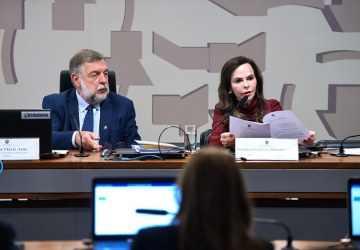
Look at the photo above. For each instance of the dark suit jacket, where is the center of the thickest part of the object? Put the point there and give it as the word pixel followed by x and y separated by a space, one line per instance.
pixel 157 238
pixel 7 236
pixel 117 119
pixel 166 238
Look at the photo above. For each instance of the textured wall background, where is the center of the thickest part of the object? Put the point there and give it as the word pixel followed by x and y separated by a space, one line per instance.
pixel 167 55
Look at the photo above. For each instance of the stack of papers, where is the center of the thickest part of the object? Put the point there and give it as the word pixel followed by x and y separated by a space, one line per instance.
pixel 153 147
pixel 277 124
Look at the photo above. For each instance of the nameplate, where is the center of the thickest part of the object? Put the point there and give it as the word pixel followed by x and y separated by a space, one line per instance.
pixel 19 149
pixel 266 149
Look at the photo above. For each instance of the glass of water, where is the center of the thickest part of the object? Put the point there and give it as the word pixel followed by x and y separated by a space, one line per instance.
pixel 190 137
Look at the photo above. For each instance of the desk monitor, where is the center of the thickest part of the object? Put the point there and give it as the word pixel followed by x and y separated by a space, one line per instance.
pixel 28 123
pixel 119 205
pixel 353 190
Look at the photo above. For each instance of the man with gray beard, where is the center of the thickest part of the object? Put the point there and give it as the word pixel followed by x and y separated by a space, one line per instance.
pixel 104 117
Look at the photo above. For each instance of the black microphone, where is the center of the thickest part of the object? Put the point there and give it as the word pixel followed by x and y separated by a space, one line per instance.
pixel 206 135
pixel 341 148
pixel 256 220
pixel 289 237
pixel 81 148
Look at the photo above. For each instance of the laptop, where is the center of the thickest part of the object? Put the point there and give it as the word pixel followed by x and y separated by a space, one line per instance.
pixel 122 206
pixel 130 153
pixel 354 211
pixel 28 123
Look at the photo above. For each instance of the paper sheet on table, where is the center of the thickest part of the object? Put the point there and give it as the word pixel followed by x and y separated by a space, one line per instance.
pixel 278 124
pixel 153 147
pixel 352 151
pixel 141 149
pixel 152 144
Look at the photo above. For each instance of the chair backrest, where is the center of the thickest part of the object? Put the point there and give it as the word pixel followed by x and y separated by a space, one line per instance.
pixel 204 138
pixel 65 81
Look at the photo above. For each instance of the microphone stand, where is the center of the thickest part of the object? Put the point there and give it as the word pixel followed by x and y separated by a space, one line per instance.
pixel 341 152
pixel 81 148
pixel 283 225
pixel 239 105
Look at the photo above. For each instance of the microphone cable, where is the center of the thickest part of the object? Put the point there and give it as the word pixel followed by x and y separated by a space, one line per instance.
pixel 187 147
pixel 161 155
pixel 289 237
pixel 1 166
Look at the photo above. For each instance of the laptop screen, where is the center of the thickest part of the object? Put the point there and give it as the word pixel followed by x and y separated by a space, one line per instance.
pixel 122 206
pixel 354 207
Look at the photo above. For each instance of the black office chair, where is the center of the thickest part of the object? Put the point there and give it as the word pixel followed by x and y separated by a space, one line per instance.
pixel 65 81
pixel 204 138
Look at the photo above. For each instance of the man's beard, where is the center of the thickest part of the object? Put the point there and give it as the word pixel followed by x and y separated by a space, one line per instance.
pixel 94 97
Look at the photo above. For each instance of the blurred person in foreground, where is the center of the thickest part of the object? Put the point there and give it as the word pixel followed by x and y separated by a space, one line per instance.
pixel 215 210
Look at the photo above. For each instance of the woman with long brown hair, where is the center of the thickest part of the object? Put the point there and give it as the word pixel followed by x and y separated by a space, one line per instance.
pixel 215 211
pixel 240 77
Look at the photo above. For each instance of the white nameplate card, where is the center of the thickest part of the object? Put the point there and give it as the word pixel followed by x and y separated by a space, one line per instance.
pixel 269 149
pixel 19 149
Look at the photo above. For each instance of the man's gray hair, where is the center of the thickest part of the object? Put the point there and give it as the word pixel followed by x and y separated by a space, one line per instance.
pixel 86 55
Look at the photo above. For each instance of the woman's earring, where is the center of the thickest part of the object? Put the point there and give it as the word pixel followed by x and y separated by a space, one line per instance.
pixel 230 92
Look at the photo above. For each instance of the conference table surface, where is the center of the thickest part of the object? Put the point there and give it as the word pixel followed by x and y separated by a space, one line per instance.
pixel 78 245
pixel 326 161
pixel 70 176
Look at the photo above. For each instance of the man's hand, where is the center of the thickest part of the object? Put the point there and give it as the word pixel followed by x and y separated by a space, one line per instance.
pixel 88 141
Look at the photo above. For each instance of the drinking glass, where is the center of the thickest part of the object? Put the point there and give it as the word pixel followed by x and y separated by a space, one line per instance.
pixel 190 137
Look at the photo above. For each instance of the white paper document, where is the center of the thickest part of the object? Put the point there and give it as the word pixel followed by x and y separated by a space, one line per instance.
pixel 352 151
pixel 278 124
pixel 153 147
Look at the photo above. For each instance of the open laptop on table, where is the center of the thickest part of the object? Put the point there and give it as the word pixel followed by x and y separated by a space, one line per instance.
pixel 122 206
pixel 354 211
pixel 28 123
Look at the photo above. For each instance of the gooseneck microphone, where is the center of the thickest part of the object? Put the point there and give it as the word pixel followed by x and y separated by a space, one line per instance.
pixel 289 237
pixel 341 148
pixel 206 135
pixel 81 148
